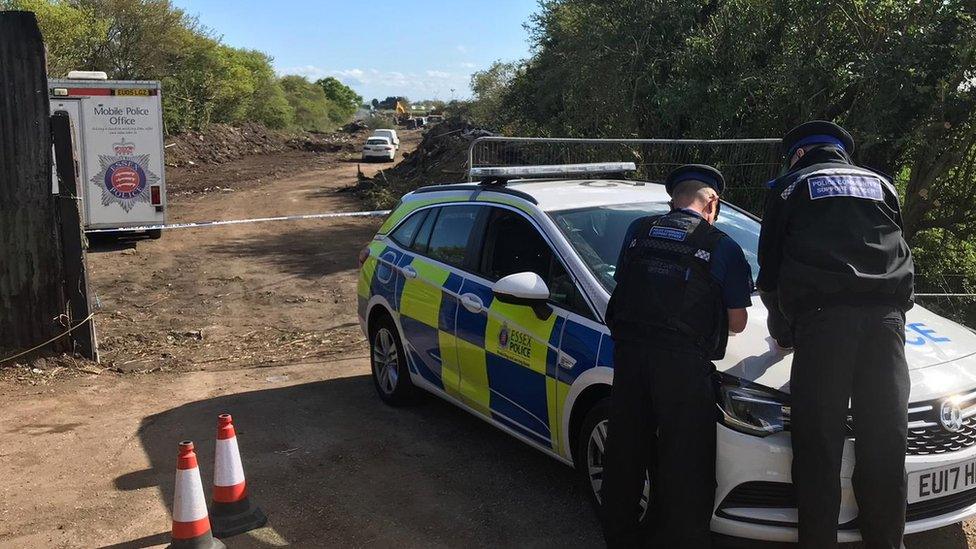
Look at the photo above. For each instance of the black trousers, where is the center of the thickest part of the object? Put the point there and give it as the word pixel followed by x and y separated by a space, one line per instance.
pixel 662 419
pixel 856 353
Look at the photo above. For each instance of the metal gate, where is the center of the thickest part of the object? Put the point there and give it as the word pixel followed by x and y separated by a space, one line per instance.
pixel 747 164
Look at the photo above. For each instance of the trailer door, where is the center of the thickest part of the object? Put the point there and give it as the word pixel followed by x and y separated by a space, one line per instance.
pixel 73 108
pixel 123 174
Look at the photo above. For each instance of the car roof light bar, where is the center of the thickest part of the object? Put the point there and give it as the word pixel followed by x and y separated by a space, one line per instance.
pixel 556 170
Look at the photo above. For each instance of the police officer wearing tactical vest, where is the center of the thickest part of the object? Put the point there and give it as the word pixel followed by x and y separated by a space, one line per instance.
pixel 832 253
pixel 682 286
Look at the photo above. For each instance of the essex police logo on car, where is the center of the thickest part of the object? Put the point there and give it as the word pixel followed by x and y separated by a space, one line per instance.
pixel 124 176
pixel 515 345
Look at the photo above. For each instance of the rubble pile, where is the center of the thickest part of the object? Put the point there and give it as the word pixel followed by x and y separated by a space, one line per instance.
pixel 220 143
pixel 441 157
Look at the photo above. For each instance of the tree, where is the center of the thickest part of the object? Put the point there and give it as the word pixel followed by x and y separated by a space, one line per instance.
pixel 489 87
pixel 899 74
pixel 71 32
pixel 390 102
pixel 309 103
pixel 345 100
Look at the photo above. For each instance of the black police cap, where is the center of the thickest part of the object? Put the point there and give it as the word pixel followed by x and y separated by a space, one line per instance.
pixel 698 172
pixel 818 132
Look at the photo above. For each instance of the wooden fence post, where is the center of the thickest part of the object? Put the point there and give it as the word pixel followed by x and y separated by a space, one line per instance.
pixel 32 304
pixel 72 236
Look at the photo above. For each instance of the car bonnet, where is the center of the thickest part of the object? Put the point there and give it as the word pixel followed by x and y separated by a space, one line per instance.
pixel 941 354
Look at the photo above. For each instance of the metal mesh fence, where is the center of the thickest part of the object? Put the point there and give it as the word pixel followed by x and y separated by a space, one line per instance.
pixel 747 164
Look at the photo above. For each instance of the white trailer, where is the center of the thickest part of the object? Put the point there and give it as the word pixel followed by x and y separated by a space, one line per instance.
pixel 118 137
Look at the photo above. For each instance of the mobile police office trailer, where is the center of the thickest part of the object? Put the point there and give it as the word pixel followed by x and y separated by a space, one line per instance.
pixel 119 135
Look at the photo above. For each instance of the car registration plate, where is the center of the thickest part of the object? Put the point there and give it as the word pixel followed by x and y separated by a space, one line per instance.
pixel 941 481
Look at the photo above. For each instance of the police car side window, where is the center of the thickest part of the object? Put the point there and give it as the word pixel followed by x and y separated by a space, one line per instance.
pixel 422 241
pixel 405 234
pixel 449 237
pixel 513 245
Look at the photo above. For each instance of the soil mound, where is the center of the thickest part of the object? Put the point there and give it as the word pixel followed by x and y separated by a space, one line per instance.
pixel 441 157
pixel 220 143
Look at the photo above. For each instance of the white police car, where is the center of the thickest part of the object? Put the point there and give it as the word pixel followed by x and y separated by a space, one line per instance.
pixel 492 297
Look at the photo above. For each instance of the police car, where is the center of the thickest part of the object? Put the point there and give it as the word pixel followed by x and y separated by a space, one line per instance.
pixel 492 295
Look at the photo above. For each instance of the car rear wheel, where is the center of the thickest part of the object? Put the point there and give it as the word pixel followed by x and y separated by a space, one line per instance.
pixel 591 457
pixel 389 363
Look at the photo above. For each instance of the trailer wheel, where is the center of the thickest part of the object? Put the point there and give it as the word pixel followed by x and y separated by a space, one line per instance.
pixel 155 234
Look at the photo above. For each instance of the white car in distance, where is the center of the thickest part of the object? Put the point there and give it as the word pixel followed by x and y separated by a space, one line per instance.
pixel 391 134
pixel 379 148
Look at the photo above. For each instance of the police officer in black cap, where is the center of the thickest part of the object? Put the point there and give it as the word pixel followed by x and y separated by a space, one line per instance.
pixel 682 286
pixel 831 252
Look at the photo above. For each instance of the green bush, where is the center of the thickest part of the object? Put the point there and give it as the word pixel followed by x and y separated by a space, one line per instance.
pixel 344 101
pixel 308 102
pixel 379 122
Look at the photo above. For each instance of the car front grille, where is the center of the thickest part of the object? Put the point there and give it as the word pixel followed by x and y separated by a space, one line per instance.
pixel 778 495
pixel 926 433
pixel 940 506
pixel 782 495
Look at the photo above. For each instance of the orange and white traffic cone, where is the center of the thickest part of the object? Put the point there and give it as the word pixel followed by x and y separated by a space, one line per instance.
pixel 233 512
pixel 191 526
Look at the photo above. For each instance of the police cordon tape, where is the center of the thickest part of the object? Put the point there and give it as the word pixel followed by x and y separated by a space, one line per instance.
pixel 199 224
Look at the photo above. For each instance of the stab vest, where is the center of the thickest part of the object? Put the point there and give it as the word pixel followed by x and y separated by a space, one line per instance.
pixel 666 294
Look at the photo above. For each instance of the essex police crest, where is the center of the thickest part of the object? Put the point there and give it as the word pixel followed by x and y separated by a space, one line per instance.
pixel 503 336
pixel 124 177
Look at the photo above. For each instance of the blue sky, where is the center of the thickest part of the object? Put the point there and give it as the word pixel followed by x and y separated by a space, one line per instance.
pixel 420 49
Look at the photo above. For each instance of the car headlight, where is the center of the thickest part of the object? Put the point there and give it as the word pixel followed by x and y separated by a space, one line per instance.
pixel 753 409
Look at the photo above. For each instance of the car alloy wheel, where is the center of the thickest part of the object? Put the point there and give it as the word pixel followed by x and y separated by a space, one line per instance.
pixel 595 459
pixel 386 361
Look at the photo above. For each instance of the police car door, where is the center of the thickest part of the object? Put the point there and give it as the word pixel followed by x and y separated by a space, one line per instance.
pixel 435 243
pixel 508 370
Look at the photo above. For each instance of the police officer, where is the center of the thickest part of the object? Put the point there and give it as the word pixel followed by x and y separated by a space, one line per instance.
pixel 682 286
pixel 831 252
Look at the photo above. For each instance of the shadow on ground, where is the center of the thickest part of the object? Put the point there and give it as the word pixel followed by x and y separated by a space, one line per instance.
pixel 332 466
pixel 100 243
pixel 309 250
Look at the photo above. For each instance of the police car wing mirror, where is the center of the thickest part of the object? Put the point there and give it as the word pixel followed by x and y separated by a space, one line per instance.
pixel 526 289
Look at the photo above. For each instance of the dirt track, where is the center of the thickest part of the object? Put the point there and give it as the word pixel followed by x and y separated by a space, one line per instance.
pixel 259 321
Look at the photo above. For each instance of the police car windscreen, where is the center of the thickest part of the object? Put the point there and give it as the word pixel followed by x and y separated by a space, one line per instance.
pixel 598 233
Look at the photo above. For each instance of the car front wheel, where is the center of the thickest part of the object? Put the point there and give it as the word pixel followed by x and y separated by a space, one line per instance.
pixel 591 457
pixel 389 364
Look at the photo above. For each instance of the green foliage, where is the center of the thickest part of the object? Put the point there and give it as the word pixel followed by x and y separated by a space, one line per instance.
pixel 489 88
pixel 308 102
pixel 379 122
pixel 71 31
pixel 345 101
pixel 203 80
pixel 899 74
pixel 390 102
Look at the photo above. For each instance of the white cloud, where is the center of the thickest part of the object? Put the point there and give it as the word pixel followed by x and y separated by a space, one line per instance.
pixel 461 48
pixel 308 71
pixel 428 84
pixel 466 65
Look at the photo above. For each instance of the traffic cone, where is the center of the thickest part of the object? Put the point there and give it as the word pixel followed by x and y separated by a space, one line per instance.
pixel 191 526
pixel 233 512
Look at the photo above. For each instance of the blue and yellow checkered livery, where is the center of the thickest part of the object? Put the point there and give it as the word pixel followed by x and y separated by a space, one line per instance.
pixel 502 361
